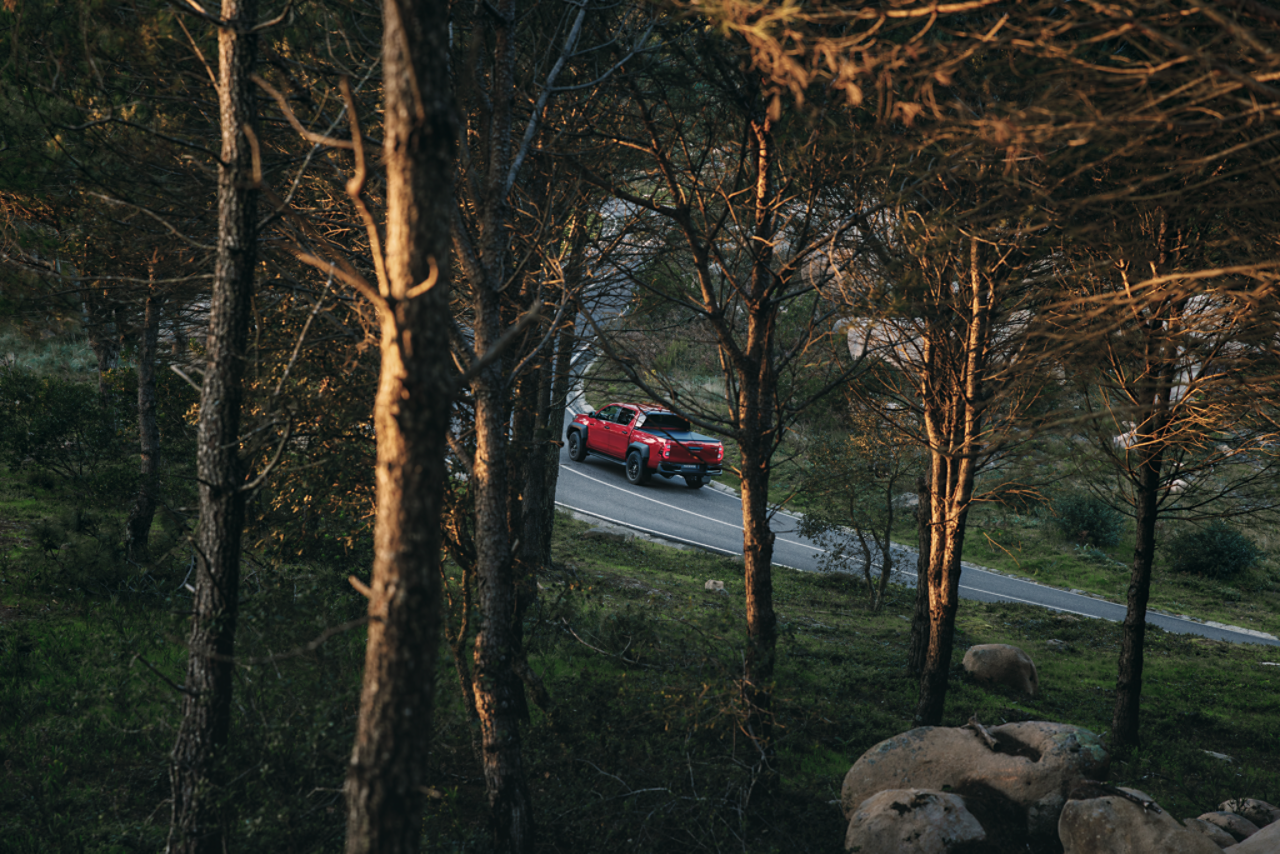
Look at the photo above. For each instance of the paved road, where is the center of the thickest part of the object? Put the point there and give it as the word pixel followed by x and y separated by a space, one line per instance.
pixel 712 520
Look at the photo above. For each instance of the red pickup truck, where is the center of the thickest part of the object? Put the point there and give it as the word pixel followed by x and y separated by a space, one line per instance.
pixel 648 440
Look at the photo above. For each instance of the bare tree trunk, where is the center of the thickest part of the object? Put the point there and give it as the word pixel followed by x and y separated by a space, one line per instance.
pixel 198 823
pixel 1150 445
pixel 388 763
pixel 1124 720
pixel 757 395
pixel 762 620
pixel 920 633
pixel 496 687
pixel 954 423
pixel 137 527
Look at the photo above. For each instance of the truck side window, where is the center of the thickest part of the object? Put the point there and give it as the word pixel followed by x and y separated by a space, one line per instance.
pixel 625 416
pixel 609 413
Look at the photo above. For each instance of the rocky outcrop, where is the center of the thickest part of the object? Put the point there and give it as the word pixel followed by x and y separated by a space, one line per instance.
pixel 1216 835
pixel 1002 664
pixel 1112 824
pixel 1265 841
pixel 1259 812
pixel 1238 826
pixel 1030 771
pixel 912 821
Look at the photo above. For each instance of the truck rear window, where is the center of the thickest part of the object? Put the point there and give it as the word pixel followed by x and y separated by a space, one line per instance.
pixel 664 421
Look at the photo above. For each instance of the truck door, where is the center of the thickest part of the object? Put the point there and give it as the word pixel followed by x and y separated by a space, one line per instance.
pixel 621 432
pixel 602 437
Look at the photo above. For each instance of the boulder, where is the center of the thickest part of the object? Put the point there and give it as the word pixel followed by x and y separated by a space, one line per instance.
pixel 713 586
pixel 1259 812
pixel 1265 841
pixel 911 821
pixel 1002 664
pixel 1115 825
pixel 1035 767
pixel 1216 835
pixel 1238 826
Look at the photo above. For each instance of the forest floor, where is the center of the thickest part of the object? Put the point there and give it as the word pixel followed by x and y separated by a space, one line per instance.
pixel 642 749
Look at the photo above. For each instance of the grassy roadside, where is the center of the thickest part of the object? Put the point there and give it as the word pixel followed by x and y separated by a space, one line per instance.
pixel 1030 547
pixel 641 750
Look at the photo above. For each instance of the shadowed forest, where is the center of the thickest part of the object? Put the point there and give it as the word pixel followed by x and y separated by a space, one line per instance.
pixel 293 300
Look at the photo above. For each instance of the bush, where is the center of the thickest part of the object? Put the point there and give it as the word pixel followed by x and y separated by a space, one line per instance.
pixel 59 426
pixel 1088 520
pixel 1216 550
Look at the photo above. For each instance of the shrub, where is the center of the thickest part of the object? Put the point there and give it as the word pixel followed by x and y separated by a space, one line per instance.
pixel 1087 520
pixel 1216 550
pixel 59 426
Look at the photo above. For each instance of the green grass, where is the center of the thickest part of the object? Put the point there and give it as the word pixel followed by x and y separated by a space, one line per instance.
pixel 1031 547
pixel 48 350
pixel 641 751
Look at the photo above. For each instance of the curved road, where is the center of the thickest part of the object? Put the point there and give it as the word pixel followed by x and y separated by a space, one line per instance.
pixel 711 519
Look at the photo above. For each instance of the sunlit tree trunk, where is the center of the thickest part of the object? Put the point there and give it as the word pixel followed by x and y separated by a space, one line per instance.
pixel 198 823
pixel 386 776
pixel 953 419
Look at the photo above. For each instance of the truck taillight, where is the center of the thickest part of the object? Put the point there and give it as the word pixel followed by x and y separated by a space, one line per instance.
pixel 719 452
pixel 666 449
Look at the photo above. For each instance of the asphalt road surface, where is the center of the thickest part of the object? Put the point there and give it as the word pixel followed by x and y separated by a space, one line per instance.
pixel 710 519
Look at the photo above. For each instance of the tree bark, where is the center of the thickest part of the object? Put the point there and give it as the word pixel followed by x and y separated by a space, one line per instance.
pixel 137 527
pixel 388 763
pixel 920 632
pixel 1150 443
pixel 198 823
pixel 498 691
pixel 954 422
pixel 757 395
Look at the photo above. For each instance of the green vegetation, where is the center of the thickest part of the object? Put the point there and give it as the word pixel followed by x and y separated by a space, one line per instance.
pixel 1217 550
pixel 641 749
pixel 1031 547
pixel 1087 520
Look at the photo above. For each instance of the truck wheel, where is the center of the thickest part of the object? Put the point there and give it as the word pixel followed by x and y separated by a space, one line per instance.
pixel 694 481
pixel 637 473
pixel 577 450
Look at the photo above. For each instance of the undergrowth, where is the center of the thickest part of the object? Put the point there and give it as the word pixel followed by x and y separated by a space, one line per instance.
pixel 641 749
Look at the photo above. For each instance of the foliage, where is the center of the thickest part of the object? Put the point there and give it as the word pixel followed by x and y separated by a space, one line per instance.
pixel 854 480
pixel 62 426
pixel 1216 550
pixel 1087 519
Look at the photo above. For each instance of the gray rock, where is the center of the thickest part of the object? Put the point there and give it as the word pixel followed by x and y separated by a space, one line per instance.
pixel 1115 825
pixel 1238 826
pixel 1058 645
pixel 1216 835
pixel 1259 812
pixel 1002 664
pixel 1037 765
pixel 1265 841
pixel 713 586
pixel 911 821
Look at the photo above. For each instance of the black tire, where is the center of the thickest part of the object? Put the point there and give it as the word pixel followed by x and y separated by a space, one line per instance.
pixel 694 481
pixel 577 448
pixel 637 471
